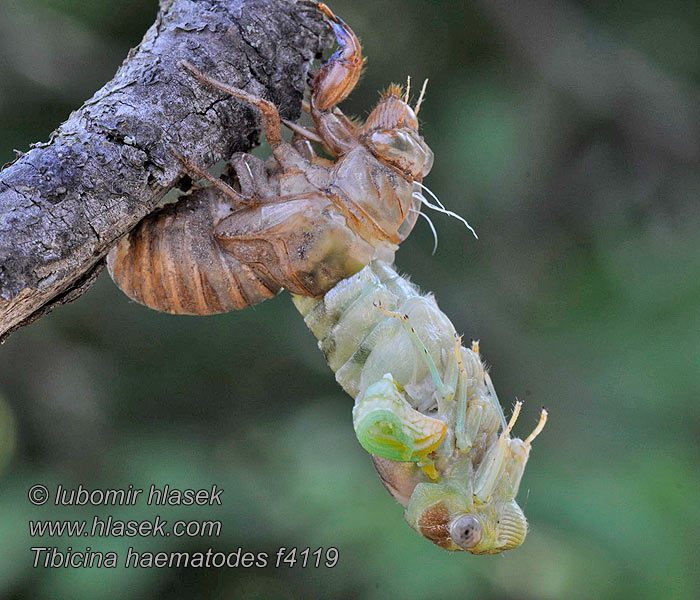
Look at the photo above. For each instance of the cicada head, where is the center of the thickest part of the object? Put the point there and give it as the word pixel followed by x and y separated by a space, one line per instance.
pixel 391 134
pixel 471 507
pixel 452 520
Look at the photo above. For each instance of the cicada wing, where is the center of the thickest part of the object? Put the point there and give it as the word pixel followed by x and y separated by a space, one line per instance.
pixel 388 426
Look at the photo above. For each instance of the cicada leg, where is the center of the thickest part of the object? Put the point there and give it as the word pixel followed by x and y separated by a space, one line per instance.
pixel 304 132
pixel 520 452
pixel 445 391
pixel 267 109
pixel 494 462
pixel 464 433
pixel 301 140
pixel 337 78
pixel 285 154
pixel 473 405
pixel 492 391
pixel 538 428
pixel 239 200
pixel 506 455
pixel 303 147
pixel 255 183
pixel 332 83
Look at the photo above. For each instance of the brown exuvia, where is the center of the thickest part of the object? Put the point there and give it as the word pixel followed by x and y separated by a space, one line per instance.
pixel 298 221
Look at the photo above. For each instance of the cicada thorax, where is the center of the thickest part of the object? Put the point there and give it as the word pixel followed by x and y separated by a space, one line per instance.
pixel 375 358
pixel 303 242
pixel 361 343
pixel 172 262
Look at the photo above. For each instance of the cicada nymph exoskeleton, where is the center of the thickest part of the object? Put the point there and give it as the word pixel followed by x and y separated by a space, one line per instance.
pixel 299 221
pixel 425 408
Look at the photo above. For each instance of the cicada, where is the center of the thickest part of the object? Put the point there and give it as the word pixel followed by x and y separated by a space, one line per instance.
pixel 326 231
pixel 425 409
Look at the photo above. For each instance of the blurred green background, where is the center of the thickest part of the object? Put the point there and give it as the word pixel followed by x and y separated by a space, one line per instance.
pixel 567 133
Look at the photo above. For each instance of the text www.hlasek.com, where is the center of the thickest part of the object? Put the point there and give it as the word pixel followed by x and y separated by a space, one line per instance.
pixel 110 527
pixel 50 556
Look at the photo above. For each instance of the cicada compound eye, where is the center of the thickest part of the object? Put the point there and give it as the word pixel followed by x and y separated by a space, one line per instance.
pixel 466 531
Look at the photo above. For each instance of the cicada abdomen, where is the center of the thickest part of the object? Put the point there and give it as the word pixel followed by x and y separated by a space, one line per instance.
pixel 425 408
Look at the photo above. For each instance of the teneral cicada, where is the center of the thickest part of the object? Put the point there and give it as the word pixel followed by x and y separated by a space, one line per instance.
pixel 326 230
pixel 425 409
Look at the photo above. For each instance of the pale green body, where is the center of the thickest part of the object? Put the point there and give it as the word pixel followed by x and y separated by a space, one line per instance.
pixel 435 430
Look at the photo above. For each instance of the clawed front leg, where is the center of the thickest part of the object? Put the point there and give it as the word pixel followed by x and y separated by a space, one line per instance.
pixel 336 79
pixel 304 132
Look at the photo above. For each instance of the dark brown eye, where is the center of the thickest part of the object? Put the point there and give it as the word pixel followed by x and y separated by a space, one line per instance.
pixel 465 531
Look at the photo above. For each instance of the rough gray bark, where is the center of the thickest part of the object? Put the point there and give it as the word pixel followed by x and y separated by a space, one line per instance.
pixel 64 203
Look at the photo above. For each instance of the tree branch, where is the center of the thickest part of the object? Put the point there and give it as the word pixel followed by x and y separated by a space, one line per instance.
pixel 64 203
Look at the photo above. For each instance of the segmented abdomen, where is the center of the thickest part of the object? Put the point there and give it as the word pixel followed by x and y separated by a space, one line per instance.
pixel 170 262
pixel 361 343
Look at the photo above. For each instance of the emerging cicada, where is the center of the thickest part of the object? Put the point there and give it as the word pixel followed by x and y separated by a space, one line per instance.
pixel 425 408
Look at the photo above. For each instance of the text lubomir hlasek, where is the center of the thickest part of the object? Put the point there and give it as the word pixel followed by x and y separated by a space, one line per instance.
pixel 129 496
